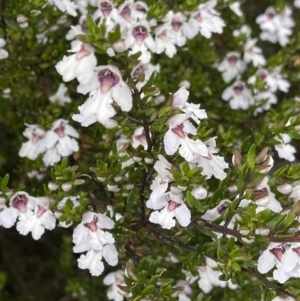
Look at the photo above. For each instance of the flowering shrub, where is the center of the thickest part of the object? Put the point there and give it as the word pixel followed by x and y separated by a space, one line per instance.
pixel 159 147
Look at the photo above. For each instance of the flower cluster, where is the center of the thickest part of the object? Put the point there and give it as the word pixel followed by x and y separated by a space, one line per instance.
pixel 276 27
pixel 89 237
pixel 33 214
pixel 53 144
pixel 170 200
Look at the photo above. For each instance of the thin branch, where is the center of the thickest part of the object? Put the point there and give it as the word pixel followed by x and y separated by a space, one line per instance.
pixel 268 284
pixel 169 238
pixel 131 118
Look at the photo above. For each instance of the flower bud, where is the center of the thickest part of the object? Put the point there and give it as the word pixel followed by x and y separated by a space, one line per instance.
pixel 266 165
pixel 110 52
pixel 247 241
pixel 129 186
pixel 285 188
pixel 262 156
pixel 136 159
pixel 182 188
pixel 199 193
pixel 23 25
pixel 119 46
pixel 112 187
pixel 21 19
pixel 263 231
pixel 245 231
pixel 237 159
pixel 185 83
pixel 66 186
pixel 148 160
pixel 159 99
pixel 52 186
pixel 101 179
pixel 118 178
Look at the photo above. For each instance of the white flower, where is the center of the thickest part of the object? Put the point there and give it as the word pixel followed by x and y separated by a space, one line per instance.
pixel 264 101
pixel 77 29
pixel 139 138
pixel 65 6
pixel 209 277
pixel 206 21
pixel 297 3
pixel 107 88
pixel 236 8
pixel 276 82
pixel 290 261
pixel 138 39
pixel 244 30
pixel 176 137
pixel 81 64
pixel 192 110
pixel 60 95
pixel 107 12
pixel 253 53
pixel 23 203
pixel 284 149
pixel 8 215
pixel 174 24
pixel 295 193
pixel 271 257
pixel 33 214
pixel 131 12
pixel 231 66
pixel 35 145
pixel 265 198
pixel 89 236
pixel 3 52
pixel 276 27
pixel 212 165
pixel 238 95
pixel 113 280
pixel 51 156
pixel 41 219
pixel 172 205
pixel 163 40
pixel 145 69
pixel 60 137
pixel 214 213
pixel 160 184
pixel 199 193
pixel 184 291
pixel 92 259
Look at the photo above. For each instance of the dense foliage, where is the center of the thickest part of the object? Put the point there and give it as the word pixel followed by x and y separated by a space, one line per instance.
pixel 149 150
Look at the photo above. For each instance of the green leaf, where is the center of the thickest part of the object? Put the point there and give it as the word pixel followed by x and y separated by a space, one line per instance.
pixel 143 276
pixel 148 290
pixel 251 157
pixel 4 181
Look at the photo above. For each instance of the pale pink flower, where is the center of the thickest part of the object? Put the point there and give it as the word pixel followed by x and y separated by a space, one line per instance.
pixel 238 95
pixel 231 66
pixel 61 95
pixel 35 144
pixel 177 138
pixel 107 88
pixel 79 65
pixel 172 206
